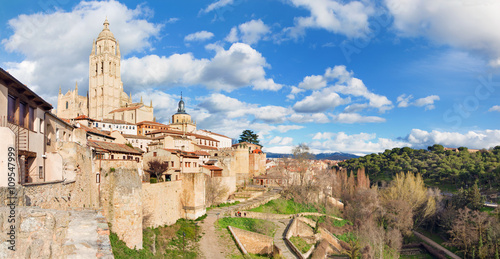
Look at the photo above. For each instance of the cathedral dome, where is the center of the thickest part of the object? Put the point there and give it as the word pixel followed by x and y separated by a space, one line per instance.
pixel 106 33
pixel 181 108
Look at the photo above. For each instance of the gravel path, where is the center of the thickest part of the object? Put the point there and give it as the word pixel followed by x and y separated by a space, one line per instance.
pixel 215 245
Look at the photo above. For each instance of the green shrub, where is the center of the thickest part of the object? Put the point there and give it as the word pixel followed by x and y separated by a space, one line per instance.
pixel 153 180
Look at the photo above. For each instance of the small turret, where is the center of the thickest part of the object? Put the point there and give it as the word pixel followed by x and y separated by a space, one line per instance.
pixel 141 99
pixel 76 87
pixel 151 103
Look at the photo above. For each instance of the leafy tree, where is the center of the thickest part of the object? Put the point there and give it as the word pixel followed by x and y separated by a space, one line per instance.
pixel 157 168
pixel 410 189
pixel 249 136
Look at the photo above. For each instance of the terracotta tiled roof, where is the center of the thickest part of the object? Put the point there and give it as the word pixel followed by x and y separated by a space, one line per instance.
pixel 207 147
pixel 216 134
pixel 168 131
pixel 135 136
pixel 127 108
pixel 212 167
pixel 113 147
pixel 257 151
pixel 95 131
pixel 152 123
pixel 179 132
pixel 116 121
pixel 83 117
pixel 202 137
pixel 201 153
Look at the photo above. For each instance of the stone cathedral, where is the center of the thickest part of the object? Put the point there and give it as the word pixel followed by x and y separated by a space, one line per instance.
pixel 105 98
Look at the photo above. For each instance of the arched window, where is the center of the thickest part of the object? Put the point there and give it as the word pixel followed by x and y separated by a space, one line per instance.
pixel 66 105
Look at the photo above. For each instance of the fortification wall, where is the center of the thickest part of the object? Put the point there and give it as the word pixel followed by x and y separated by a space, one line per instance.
pixel 38 233
pixel 193 195
pixel 122 204
pixel 161 203
pixel 254 243
pixel 78 190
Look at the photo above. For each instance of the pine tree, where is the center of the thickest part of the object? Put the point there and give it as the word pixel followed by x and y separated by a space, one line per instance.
pixel 249 136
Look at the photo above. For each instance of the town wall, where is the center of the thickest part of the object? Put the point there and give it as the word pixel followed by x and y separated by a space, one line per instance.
pixel 76 189
pixel 122 204
pixel 257 164
pixel 193 195
pixel 254 243
pixel 161 203
pixel 39 233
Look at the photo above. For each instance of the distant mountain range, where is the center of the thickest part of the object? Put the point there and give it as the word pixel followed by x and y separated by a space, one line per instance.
pixel 329 156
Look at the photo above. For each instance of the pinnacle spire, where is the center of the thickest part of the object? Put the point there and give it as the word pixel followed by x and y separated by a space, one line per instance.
pixel 141 99
pixel 76 87
pixel 59 89
pixel 106 24
pixel 151 103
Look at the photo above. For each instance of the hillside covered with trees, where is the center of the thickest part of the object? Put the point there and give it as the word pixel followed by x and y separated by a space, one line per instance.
pixel 436 165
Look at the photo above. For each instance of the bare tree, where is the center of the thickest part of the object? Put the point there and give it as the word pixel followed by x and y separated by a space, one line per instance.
pixel 302 156
pixel 157 168
pixel 215 191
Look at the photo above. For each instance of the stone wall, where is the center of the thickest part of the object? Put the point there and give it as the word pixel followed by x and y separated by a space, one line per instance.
pixel 330 238
pixel 122 204
pixel 254 243
pixel 38 233
pixel 298 228
pixel 193 195
pixel 79 188
pixel 161 203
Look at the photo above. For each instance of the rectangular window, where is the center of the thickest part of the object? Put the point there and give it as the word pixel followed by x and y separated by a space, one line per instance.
pixel 40 172
pixel 11 114
pixel 22 114
pixel 154 153
pixel 42 127
pixel 172 163
pixel 31 121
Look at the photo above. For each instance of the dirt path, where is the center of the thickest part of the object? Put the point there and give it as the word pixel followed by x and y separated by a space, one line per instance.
pixel 217 244
pixel 212 244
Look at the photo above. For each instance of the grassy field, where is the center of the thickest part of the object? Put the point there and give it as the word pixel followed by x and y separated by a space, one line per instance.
pixel 281 206
pixel 255 225
pixel 169 242
pixel 301 244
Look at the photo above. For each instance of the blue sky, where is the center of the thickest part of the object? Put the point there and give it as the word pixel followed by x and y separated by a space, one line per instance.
pixel 350 76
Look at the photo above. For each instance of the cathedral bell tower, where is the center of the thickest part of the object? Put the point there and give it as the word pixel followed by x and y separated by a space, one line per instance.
pixel 182 120
pixel 105 84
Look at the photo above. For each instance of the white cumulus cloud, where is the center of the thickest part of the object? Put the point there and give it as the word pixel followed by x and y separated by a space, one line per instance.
pixel 250 32
pixel 470 25
pixel 239 66
pixel 427 102
pixel 349 18
pixel 57 54
pixel 199 36
pixel 495 108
